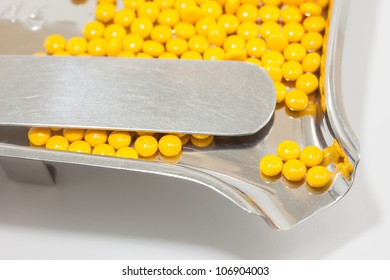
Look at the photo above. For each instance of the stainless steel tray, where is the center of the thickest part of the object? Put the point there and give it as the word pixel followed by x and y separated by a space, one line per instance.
pixel 230 166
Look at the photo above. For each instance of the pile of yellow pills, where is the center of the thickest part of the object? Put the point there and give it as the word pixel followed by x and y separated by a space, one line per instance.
pixel 297 164
pixel 123 144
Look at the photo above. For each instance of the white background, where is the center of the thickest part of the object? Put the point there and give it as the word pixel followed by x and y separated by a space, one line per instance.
pixel 91 215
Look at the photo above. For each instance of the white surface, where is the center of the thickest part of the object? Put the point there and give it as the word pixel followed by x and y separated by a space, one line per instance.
pixel 93 216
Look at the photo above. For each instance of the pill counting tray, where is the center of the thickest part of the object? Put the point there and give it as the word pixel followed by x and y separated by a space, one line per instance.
pixel 231 165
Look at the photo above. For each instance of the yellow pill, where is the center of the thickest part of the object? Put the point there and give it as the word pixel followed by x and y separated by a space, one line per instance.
pixel 294 170
pixel 293 2
pixel 161 33
pixel 310 9
pixel 93 29
pixel 146 145
pixel 214 53
pixel 274 71
pixel 268 28
pixel 202 143
pixel 307 83
pixel 296 100
pixel 254 61
pixel 288 149
pixel 318 176
pixel 182 4
pixel 248 30
pixel 142 26
pixel 54 43
pixel 153 48
pixel 229 22
pixel 151 133
pixel 277 41
pixel 281 92
pixel 231 6
pixel 62 53
pixel 103 150
pixel 198 43
pixel 247 12
pixel 179 134
pixel 148 10
pixel 273 57
pixel 292 70
pixel 312 41
pixel 271 165
pixel 114 47
pixel 185 139
pixel 294 31
pixel 294 52
pixel 39 54
pixel 124 17
pixel 269 13
pixel 168 17
pixel 114 31
pixel 236 54
pixel 73 134
pixel 184 30
pixel 291 14
pixel 168 55
pixel 216 35
pixel 250 2
pixel 119 139
pixel 191 14
pixel 200 136
pixel 95 137
pixel 272 2
pixel 132 43
pixel 80 147
pixel 177 46
pixel 234 42
pixel 323 3
pixel 191 55
pixel 314 24
pixel 256 47
pixel 311 62
pixel 97 47
pixel 105 12
pixel 212 9
pixel 127 152
pixel 170 145
pixel 164 4
pixel 55 129
pixel 133 4
pixel 203 25
pixel 311 156
pixel 57 142
pixel 38 136
pixel 126 54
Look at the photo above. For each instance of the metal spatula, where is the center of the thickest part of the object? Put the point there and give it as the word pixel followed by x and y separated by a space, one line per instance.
pixel 202 97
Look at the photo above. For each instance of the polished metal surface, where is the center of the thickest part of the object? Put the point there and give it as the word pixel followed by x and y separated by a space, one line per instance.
pixel 198 97
pixel 230 165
